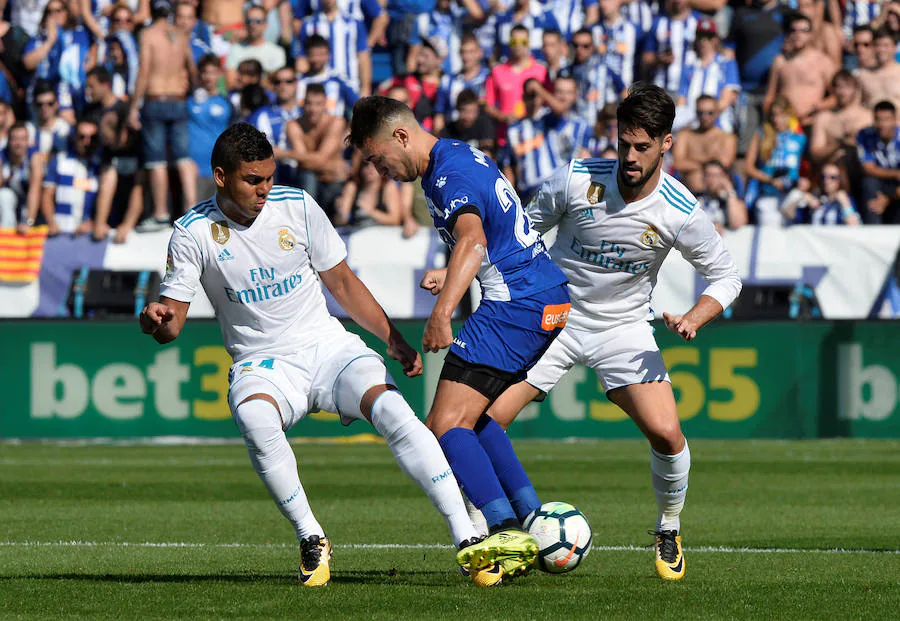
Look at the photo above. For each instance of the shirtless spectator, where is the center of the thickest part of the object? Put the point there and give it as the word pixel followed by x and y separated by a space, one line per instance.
pixel 166 73
pixel 321 152
pixel 696 146
pixel 803 75
pixel 269 55
pixel 862 45
pixel 226 18
pixel 826 37
pixel 834 132
pixel 882 82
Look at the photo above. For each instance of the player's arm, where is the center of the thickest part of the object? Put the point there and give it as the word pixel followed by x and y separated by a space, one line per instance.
pixel 703 247
pixel 355 298
pixel 547 207
pixel 471 245
pixel 164 320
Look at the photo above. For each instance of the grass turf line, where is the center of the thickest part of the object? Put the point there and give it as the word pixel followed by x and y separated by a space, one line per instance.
pixel 792 496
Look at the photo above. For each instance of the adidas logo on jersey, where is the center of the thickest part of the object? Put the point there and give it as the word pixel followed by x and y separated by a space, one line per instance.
pixel 225 255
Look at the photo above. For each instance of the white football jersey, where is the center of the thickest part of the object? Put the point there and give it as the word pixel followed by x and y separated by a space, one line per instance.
pixel 611 251
pixel 262 280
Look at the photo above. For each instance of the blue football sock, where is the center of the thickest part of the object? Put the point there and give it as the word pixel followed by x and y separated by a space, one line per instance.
pixel 472 468
pixel 506 464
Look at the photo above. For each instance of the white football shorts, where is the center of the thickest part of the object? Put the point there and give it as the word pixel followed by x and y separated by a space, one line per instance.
pixel 621 356
pixel 309 380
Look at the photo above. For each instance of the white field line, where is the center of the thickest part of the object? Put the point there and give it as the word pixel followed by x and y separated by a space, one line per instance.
pixel 411 546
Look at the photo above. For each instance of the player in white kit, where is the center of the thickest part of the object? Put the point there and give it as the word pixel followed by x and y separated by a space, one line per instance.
pixel 617 221
pixel 260 253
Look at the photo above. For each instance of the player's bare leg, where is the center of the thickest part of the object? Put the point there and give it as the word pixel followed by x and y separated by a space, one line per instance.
pixel 652 407
pixel 259 420
pixel 508 551
pixel 508 405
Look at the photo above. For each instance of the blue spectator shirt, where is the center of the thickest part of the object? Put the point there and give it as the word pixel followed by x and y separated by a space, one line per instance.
pixel 598 86
pixel 859 13
pixel 17 178
pixel 538 146
pixel 6 93
pixel 47 140
pixel 449 28
pixel 339 95
pixel 462 179
pixel 272 121
pixel 712 80
pixel 366 10
pixel 569 14
pixel 124 76
pixel 76 183
pixel 619 44
pixel 452 85
pixel 784 163
pixel 642 14
pixel 207 118
pixel 64 63
pixel 872 149
pixel 346 37
pixel 676 36
pixel 537 20
pixel 829 213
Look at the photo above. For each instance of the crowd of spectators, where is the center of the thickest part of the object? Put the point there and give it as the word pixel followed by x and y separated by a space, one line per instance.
pixel 786 109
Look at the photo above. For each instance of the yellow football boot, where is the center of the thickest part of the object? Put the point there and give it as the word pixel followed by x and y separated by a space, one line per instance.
pixel 669 556
pixel 315 556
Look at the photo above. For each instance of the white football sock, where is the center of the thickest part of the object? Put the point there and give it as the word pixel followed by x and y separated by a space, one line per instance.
pixel 476 517
pixel 274 462
pixel 420 456
pixel 670 482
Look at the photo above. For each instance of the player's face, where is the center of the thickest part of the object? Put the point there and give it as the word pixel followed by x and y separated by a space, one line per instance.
pixel 390 156
pixel 248 186
pixel 640 156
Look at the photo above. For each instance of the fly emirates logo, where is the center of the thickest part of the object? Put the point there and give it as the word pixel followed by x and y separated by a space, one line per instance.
pixel 265 284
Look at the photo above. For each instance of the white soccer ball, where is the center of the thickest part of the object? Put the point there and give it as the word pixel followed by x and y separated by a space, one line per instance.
pixel 563 535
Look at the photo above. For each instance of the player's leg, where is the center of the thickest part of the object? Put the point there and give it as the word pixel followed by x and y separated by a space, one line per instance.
pixel 364 389
pixel 632 369
pixel 260 416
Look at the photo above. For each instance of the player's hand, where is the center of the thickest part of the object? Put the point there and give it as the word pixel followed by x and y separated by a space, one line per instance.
pixel 401 351
pixel 154 316
pixel 680 326
pixel 438 334
pixel 434 280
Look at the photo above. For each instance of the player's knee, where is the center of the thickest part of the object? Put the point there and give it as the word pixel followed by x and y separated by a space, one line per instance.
pixel 358 387
pixel 259 422
pixel 666 438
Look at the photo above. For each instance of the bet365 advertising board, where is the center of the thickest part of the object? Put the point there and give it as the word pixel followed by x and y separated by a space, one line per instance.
pixel 736 380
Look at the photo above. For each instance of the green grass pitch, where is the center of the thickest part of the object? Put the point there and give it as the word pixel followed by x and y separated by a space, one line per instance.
pixel 166 532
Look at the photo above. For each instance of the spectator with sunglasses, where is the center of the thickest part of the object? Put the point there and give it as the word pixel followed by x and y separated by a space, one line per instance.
pixel 49 131
pixel 703 143
pixel 598 85
pixel 861 48
pixel 827 205
pixel 273 122
pixel 255 46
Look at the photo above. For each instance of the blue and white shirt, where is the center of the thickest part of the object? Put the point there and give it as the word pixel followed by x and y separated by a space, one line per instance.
pixel 17 177
pixel 346 37
pixel 540 145
pixel 47 140
pixel 872 149
pixel 462 179
pixel 675 36
pixel 207 118
pixel 598 86
pixel 783 163
pixel 712 80
pixel 76 182
pixel 569 14
pixel 366 10
pixel 829 213
pixel 449 28
pixel 338 93
pixel 859 13
pixel 536 21
pixel 619 44
pixel 64 65
pixel 450 88
pixel 642 14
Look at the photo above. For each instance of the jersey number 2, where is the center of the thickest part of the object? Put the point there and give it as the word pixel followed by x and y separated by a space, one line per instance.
pixel 524 231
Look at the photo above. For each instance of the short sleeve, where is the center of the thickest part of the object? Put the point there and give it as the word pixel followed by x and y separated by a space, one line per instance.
pixel 548 205
pixel 865 155
pixel 362 37
pixel 651 44
pixel 324 246
pixel 686 76
pixel 732 78
pixel 184 265
pixel 371 9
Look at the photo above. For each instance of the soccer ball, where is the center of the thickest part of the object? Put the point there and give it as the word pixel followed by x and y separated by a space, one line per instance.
pixel 563 535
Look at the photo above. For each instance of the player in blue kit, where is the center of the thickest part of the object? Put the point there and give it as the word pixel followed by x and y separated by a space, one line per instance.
pixel 524 306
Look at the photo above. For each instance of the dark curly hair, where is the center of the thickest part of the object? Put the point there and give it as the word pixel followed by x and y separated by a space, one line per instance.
pixel 240 143
pixel 647 107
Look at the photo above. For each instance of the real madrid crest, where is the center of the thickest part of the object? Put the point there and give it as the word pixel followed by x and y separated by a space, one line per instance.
pixel 595 192
pixel 285 240
pixel 220 232
pixel 649 237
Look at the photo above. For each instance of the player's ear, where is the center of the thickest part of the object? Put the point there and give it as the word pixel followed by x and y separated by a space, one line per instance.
pixel 219 176
pixel 401 135
pixel 667 143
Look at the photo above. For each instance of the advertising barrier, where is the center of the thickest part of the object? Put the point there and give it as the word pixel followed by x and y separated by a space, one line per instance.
pixel 66 379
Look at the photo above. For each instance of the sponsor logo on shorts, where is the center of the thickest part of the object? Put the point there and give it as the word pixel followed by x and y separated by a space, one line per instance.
pixel 286 241
pixel 460 344
pixel 219 231
pixel 555 316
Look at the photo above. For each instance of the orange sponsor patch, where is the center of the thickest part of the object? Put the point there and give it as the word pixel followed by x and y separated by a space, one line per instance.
pixel 555 316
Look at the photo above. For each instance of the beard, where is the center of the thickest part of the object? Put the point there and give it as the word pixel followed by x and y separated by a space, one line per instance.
pixel 646 174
